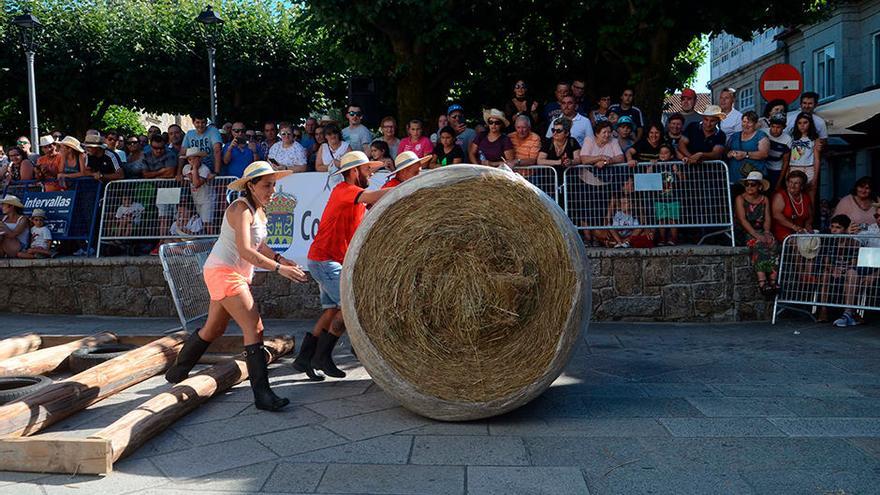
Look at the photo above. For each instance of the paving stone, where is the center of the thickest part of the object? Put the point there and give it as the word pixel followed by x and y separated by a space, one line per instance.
pixel 352 406
pixel 819 481
pixel 247 425
pixel 208 459
pixel 739 407
pixel 389 449
pixel 721 427
pixel 829 427
pixel 679 390
pixel 463 450
pixel 438 428
pixel 166 441
pixel 21 489
pixel 128 476
pixel 632 478
pixel 870 446
pixel 616 407
pixel 850 407
pixel 212 411
pixel 790 390
pixel 303 439
pixel 580 427
pixel 595 456
pixel 289 477
pixel 382 479
pixel 244 479
pixel 376 423
pixel 13 478
pixel 488 480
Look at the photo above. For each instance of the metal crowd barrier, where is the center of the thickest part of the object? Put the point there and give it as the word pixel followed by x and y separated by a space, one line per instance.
pixel 84 208
pixel 542 177
pixel 182 264
pixel 155 209
pixel 837 271
pixel 656 195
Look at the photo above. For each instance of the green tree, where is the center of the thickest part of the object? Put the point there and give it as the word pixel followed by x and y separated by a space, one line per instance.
pixel 124 120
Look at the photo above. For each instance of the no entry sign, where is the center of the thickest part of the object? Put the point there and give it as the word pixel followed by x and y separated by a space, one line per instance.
pixel 781 81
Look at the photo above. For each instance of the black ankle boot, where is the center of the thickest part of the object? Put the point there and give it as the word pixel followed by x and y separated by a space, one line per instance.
pixel 302 363
pixel 258 373
pixel 188 356
pixel 323 360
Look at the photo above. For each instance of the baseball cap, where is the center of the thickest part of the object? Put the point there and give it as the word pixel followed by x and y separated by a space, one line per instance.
pixel 778 118
pixel 454 107
pixel 689 92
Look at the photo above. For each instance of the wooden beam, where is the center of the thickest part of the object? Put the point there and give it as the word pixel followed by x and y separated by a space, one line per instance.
pixel 225 344
pixel 56 455
pixel 34 412
pixel 50 359
pixel 132 430
pixel 19 344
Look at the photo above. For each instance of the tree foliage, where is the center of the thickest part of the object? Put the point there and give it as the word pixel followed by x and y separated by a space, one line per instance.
pixel 124 120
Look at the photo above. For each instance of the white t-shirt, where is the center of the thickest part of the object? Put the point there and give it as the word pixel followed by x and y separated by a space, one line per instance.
pixel 295 154
pixel 802 152
pixel 193 225
pixel 733 122
pixel 581 128
pixel 202 194
pixel 819 122
pixel 328 158
pixel 132 212
pixel 41 237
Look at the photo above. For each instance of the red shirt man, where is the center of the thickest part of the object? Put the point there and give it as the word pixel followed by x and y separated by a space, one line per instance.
pixel 406 166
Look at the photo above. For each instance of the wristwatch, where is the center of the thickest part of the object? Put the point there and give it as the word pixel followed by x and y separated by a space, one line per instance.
pixel 277 266
pixel 747 154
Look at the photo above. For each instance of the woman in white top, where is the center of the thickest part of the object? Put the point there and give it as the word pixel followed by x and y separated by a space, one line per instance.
pixel 805 151
pixel 329 154
pixel 228 272
pixel 14 230
pixel 288 154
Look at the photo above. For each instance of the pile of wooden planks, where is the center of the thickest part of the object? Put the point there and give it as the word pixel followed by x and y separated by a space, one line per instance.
pixel 21 449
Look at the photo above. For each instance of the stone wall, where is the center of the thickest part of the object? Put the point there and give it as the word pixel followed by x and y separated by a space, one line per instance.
pixel 664 284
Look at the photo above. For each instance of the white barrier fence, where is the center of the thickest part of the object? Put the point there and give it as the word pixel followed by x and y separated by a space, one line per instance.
pixel 182 264
pixel 827 270
pixel 542 177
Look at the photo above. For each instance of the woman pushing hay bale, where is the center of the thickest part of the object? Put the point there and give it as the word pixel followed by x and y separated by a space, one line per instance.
pixel 464 291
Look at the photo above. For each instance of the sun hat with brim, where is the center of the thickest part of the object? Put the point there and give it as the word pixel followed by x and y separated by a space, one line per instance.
pixel 93 141
pixel 408 159
pixel 72 143
pixel 755 176
pixel 713 111
pixel 194 151
pixel 254 170
pixel 38 213
pixel 494 113
pixel 47 140
pixel 808 246
pixel 9 199
pixel 354 159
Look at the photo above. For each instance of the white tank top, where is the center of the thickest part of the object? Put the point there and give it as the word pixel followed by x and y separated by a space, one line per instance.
pixel 25 235
pixel 225 253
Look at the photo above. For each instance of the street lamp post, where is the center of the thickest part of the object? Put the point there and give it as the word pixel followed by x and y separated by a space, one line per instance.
pixel 28 25
pixel 212 23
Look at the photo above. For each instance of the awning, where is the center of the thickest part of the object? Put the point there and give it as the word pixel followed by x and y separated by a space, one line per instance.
pixel 847 112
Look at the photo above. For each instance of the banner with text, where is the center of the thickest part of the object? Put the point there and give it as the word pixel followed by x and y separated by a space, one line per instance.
pixel 57 205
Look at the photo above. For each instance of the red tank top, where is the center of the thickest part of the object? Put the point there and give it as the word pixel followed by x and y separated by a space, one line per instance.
pixel 796 213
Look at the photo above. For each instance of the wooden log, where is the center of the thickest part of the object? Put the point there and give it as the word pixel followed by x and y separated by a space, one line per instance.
pixel 64 398
pixel 56 455
pixel 19 344
pixel 50 359
pixel 225 344
pixel 132 430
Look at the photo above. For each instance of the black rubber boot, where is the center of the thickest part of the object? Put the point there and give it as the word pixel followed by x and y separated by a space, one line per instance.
pixel 303 361
pixel 258 373
pixel 323 359
pixel 188 356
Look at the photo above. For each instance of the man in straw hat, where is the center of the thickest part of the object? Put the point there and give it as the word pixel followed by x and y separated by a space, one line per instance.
pixel 103 164
pixel 406 166
pixel 344 211
pixel 702 141
pixel 228 271
pixel 48 164
pixel 581 128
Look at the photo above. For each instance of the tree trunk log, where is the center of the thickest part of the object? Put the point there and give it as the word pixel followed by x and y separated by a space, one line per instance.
pixel 20 344
pixel 132 430
pixel 64 398
pixel 51 358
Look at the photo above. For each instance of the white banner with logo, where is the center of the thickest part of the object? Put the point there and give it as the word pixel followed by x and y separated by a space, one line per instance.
pixel 295 212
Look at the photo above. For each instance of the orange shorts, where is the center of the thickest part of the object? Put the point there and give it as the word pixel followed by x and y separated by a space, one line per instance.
pixel 223 282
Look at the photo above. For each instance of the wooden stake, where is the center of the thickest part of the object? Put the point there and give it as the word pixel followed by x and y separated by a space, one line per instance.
pixel 19 344
pixel 64 398
pixel 51 358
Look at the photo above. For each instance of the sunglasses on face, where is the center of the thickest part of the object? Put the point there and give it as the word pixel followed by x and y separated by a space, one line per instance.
pixel 558 130
pixel 283 133
pixel 751 184
pixel 495 122
pixel 158 148
pixel 237 130
pixel 23 142
pixel 519 86
pixel 355 114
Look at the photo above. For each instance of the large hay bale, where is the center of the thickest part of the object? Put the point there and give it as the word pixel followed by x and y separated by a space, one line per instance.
pixel 464 291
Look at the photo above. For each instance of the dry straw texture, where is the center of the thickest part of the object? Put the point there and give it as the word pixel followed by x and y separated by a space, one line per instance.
pixel 465 289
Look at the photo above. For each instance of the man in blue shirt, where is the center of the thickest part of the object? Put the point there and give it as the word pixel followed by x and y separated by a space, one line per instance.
pixel 238 153
pixel 206 138
pixel 357 135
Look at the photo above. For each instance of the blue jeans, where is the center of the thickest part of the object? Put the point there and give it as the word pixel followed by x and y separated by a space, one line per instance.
pixel 327 274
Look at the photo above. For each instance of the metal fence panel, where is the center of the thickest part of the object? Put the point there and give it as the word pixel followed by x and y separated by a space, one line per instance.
pixel 182 264
pixel 542 177
pixel 656 195
pixel 85 206
pixel 162 209
pixel 839 271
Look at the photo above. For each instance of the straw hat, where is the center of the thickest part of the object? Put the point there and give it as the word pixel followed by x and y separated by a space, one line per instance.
pixel 12 200
pixel 808 246
pixel 254 170
pixel 93 141
pixel 757 177
pixel 408 159
pixel 38 213
pixel 354 159
pixel 47 140
pixel 713 111
pixel 72 143
pixel 194 151
pixel 494 113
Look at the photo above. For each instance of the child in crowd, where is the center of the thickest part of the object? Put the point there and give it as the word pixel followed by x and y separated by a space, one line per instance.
pixel 667 207
pixel 621 214
pixel 186 224
pixel 199 178
pixel 128 216
pixel 838 261
pixel 41 237
pixel 415 142
pixel 380 152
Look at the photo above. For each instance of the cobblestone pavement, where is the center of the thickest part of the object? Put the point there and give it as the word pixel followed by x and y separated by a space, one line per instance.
pixel 641 408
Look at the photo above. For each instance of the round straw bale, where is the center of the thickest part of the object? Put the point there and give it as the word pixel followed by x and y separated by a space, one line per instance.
pixel 464 291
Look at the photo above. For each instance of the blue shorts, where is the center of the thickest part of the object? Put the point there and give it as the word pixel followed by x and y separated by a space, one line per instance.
pixel 327 274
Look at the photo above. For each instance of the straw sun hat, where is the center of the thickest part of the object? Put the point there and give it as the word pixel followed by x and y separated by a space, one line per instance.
pixel 755 176
pixel 254 170
pixel 494 113
pixel 72 143
pixel 408 159
pixel 47 140
pixel 354 159
pixel 713 111
pixel 12 200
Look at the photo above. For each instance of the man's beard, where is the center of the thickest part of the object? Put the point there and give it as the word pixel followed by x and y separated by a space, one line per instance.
pixel 363 181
